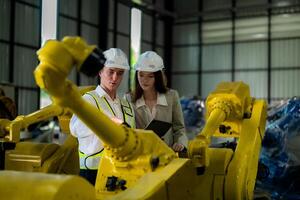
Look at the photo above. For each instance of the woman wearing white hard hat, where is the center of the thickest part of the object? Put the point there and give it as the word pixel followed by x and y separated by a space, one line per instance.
pixel 153 100
pixel 104 98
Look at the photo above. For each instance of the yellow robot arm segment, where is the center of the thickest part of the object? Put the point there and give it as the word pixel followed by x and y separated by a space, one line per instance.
pixel 14 127
pixel 230 100
pixel 129 153
pixel 242 170
pixel 134 159
pixel 29 186
pixel 56 61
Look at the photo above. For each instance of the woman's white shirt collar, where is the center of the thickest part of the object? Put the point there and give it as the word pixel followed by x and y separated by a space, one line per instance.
pixel 161 100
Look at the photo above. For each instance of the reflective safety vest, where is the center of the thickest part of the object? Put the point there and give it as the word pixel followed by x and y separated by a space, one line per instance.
pixel 92 161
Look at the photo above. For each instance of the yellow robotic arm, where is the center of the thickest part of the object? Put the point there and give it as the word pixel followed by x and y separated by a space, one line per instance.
pixel 129 153
pixel 11 129
pixel 232 113
pixel 230 101
pixel 39 157
pixel 136 163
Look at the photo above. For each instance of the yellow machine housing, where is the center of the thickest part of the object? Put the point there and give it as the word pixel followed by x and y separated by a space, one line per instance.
pixel 42 157
pixel 137 164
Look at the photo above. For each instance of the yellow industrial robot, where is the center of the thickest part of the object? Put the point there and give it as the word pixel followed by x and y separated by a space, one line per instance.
pixel 39 157
pixel 137 164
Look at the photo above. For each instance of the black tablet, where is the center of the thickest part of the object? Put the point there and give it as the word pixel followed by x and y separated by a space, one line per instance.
pixel 159 127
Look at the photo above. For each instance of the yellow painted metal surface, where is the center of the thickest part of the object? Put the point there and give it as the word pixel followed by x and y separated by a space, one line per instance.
pixel 150 169
pixel 33 186
pixel 179 180
pixel 44 157
pixel 242 170
pixel 241 117
pixel 14 127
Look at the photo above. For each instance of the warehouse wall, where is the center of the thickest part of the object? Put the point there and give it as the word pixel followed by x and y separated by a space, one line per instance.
pixel 255 42
pixel 105 23
pixel 80 18
pixel 19 40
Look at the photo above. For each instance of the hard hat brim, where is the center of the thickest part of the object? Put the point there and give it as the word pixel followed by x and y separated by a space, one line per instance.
pixel 147 69
pixel 116 66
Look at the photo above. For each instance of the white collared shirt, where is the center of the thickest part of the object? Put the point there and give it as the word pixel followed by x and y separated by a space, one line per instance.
pixel 89 143
pixel 161 100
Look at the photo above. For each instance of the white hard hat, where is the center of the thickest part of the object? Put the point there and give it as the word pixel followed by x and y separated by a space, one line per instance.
pixel 149 61
pixel 116 58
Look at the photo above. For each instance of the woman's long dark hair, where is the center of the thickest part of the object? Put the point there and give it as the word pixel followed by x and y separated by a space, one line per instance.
pixel 160 85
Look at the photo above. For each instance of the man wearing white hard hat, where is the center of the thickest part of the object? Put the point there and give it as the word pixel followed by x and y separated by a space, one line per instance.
pixel 153 100
pixel 104 98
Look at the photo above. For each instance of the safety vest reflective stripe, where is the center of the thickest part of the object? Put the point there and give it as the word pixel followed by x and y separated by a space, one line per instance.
pixel 127 110
pixel 92 161
pixel 128 113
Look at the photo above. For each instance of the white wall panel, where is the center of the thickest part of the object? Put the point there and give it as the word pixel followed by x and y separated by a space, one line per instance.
pixel 251 55
pixel 217 31
pixel 68 7
pixel 4 19
pixel 215 4
pixel 160 32
pixel 216 57
pixel 49 21
pixel 34 2
pixel 4 67
pixel 27 101
pixel 111 14
pixel 255 28
pixel 90 34
pixel 27 25
pixel 123 43
pixel 285 53
pixel 185 59
pixel 123 19
pixel 24 66
pixel 186 34
pixel 182 7
pixel 285 83
pixel 110 40
pixel 90 11
pixel 67 27
pixel 185 84
pixel 243 3
pixel 257 81
pixel 146 27
pixel 285 25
